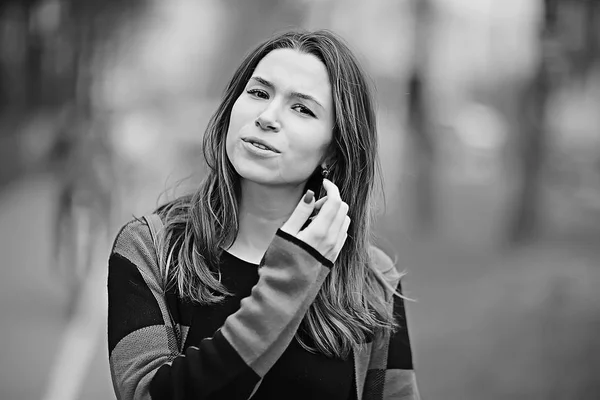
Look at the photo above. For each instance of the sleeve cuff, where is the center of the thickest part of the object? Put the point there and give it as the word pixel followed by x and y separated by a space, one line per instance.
pixel 308 248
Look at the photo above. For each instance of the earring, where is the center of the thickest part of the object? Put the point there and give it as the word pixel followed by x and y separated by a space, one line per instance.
pixel 325 172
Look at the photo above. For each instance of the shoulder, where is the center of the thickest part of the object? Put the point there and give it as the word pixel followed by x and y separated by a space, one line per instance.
pixel 135 243
pixel 134 247
pixel 383 264
pixel 131 235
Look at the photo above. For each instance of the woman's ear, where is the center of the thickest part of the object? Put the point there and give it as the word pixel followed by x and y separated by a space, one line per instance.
pixel 328 165
pixel 327 162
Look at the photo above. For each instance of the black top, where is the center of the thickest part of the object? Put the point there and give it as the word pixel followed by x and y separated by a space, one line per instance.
pixel 299 374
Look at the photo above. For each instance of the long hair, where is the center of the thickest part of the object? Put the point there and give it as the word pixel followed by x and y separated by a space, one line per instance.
pixel 350 308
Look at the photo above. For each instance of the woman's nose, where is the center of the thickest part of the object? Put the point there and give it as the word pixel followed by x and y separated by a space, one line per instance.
pixel 268 119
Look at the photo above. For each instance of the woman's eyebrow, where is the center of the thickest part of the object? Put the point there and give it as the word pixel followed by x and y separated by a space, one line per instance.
pixel 263 82
pixel 304 96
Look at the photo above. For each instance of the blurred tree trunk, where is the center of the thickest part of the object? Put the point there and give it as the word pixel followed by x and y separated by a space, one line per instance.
pixel 14 54
pixel 83 153
pixel 532 134
pixel 75 169
pixel 419 121
pixel 531 142
pixel 33 59
pixel 565 44
pixel 586 50
pixel 20 77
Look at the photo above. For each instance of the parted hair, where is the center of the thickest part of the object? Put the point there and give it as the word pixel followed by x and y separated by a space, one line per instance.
pixel 350 307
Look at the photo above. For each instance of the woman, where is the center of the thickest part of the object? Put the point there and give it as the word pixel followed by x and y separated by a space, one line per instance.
pixel 252 287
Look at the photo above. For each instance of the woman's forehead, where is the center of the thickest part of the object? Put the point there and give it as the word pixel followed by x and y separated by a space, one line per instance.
pixel 294 71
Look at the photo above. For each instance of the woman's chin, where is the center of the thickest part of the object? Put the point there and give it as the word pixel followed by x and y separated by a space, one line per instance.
pixel 258 174
pixel 263 175
pixel 267 179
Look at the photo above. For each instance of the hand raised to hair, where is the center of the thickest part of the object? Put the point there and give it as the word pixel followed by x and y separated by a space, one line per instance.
pixel 327 232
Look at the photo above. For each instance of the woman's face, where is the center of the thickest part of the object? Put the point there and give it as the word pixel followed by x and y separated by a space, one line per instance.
pixel 281 125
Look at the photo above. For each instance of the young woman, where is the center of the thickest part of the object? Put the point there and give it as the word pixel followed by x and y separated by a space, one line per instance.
pixel 253 287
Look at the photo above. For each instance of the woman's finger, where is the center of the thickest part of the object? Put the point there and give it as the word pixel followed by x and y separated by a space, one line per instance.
pixel 341 239
pixel 318 206
pixel 326 232
pixel 335 252
pixel 346 224
pixel 336 226
pixel 300 215
pixel 331 188
pixel 330 207
pixel 320 202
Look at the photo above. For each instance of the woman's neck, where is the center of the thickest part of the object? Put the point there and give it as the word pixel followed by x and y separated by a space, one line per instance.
pixel 263 210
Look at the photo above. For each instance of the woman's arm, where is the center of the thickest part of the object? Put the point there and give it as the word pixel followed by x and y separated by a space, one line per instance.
pixel 144 359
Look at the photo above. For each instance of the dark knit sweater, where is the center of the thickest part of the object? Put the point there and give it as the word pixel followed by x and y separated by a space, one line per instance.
pixel 298 373
pixel 161 347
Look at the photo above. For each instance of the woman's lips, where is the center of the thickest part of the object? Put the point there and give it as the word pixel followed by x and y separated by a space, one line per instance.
pixel 261 152
pixel 261 142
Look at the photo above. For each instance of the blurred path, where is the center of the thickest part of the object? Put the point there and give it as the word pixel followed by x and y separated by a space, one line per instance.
pixel 33 303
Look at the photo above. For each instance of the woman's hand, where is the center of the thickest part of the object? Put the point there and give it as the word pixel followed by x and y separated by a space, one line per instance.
pixel 327 232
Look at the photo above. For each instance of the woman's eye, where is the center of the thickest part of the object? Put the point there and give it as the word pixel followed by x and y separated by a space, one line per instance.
pixel 258 93
pixel 303 109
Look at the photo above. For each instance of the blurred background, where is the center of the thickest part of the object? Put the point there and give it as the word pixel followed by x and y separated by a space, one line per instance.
pixel 489 121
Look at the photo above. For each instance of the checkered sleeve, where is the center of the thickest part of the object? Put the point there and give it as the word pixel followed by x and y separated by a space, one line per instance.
pixel 391 374
pixel 399 375
pixel 144 358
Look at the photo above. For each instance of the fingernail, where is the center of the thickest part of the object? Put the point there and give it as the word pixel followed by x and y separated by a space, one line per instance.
pixel 309 196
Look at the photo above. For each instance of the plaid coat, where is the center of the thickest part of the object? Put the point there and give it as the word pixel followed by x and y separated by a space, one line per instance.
pixel 147 326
